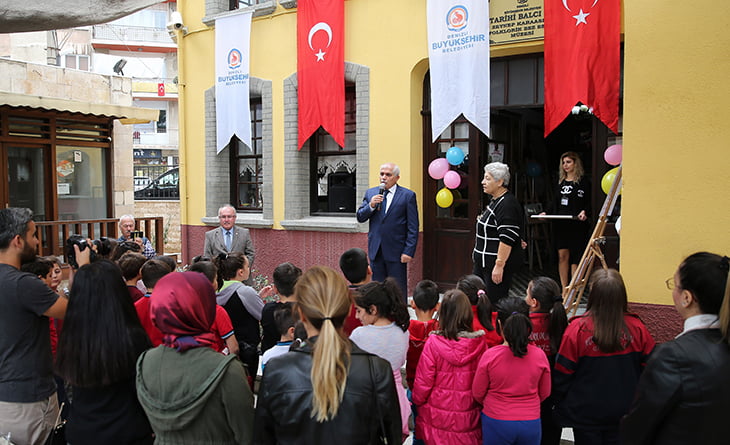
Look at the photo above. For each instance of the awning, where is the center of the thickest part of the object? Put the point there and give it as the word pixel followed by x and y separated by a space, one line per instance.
pixel 125 114
pixel 24 15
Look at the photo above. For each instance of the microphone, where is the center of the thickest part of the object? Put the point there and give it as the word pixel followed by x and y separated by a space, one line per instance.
pixel 381 193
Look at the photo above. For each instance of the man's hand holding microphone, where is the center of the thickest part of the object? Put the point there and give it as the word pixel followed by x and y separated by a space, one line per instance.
pixel 377 200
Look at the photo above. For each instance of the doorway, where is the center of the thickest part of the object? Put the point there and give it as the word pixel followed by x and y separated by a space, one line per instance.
pixel 517 140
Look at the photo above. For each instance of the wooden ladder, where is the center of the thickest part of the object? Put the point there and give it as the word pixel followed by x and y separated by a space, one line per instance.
pixel 574 291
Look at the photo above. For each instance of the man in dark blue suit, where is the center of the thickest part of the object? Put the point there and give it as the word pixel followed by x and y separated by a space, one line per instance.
pixel 393 231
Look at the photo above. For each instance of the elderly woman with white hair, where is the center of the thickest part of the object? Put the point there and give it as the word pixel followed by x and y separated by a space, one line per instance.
pixel 498 249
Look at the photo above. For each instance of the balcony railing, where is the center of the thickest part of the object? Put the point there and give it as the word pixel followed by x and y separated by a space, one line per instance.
pixel 131 33
pixel 53 234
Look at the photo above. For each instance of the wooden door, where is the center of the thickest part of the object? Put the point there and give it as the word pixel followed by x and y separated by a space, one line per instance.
pixel 449 232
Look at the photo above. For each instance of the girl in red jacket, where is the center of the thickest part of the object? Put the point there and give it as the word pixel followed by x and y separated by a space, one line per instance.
pixel 447 413
pixel 549 321
pixel 484 316
pixel 511 380
pixel 599 362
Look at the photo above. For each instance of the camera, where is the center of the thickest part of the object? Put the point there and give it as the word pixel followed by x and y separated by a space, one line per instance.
pixel 104 246
pixel 136 234
pixel 175 22
pixel 77 240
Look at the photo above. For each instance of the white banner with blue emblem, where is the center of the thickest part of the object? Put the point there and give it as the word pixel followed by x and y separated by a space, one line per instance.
pixel 458 53
pixel 232 52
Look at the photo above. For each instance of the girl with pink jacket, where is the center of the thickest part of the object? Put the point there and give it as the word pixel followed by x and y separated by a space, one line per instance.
pixel 447 413
pixel 512 380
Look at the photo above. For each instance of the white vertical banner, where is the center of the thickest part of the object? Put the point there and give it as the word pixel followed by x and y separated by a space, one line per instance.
pixel 458 53
pixel 232 53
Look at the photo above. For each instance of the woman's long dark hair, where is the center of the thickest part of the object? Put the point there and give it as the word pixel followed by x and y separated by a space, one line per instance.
pixel 513 315
pixel 475 289
pixel 607 305
pixel 102 336
pixel 228 265
pixel 386 297
pixel 547 293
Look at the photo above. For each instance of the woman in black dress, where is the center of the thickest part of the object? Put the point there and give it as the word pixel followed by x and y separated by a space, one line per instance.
pixel 573 198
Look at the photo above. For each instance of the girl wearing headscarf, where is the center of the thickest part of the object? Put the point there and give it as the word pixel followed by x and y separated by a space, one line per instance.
pixel 190 392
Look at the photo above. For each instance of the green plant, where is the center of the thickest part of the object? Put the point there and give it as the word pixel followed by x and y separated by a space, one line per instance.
pixel 260 281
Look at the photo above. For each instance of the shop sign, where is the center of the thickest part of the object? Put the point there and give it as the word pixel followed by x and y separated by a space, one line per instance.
pixel 514 21
pixel 140 153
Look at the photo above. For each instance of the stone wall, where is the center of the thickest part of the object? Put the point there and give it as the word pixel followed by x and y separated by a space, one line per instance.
pixel 170 212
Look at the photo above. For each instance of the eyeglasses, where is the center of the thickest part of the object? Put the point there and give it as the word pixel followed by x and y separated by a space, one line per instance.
pixel 386 174
pixel 670 283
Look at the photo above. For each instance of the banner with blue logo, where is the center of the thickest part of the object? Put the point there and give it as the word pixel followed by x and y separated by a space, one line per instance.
pixel 458 54
pixel 232 52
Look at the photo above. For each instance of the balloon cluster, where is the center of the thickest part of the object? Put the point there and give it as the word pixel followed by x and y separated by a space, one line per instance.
pixel 613 156
pixel 440 168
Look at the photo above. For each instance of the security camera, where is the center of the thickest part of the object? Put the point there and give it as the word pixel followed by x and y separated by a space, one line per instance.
pixel 176 22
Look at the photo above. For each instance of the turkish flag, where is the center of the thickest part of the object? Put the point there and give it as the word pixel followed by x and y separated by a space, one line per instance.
pixel 582 59
pixel 321 68
pixel 161 89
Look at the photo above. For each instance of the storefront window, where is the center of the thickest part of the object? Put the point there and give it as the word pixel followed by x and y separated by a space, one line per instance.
pixel 82 182
pixel 25 179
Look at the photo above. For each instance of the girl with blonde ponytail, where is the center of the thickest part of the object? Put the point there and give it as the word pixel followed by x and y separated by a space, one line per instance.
pixel 328 387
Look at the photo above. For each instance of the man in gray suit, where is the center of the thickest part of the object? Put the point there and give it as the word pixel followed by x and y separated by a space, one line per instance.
pixel 228 238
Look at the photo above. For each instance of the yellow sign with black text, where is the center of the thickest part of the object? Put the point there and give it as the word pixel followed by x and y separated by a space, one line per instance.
pixel 513 21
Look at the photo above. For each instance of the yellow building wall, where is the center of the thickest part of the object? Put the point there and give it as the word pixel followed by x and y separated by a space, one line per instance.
pixel 388 37
pixel 375 39
pixel 676 66
pixel 196 71
pixel 676 161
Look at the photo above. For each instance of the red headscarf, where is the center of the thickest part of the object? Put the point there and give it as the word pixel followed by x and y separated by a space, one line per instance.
pixel 182 306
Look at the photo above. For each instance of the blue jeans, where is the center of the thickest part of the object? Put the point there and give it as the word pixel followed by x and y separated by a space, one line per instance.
pixel 414 411
pixel 510 432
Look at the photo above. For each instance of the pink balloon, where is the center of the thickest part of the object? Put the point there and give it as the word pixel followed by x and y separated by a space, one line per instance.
pixel 438 168
pixel 613 154
pixel 452 179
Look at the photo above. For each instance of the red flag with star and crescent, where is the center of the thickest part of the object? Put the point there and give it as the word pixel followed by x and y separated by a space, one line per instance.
pixel 582 59
pixel 321 68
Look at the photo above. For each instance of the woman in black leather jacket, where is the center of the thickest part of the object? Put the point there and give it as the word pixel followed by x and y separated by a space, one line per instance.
pixel 684 394
pixel 327 390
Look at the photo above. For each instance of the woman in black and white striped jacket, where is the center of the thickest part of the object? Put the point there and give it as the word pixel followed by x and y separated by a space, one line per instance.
pixel 498 251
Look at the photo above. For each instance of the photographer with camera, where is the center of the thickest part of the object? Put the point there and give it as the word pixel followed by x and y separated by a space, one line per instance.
pixel 126 226
pixel 28 402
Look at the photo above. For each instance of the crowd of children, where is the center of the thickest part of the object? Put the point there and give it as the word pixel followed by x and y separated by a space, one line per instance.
pixel 512 373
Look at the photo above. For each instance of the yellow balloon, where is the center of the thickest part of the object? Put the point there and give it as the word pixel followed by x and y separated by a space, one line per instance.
pixel 444 198
pixel 608 179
